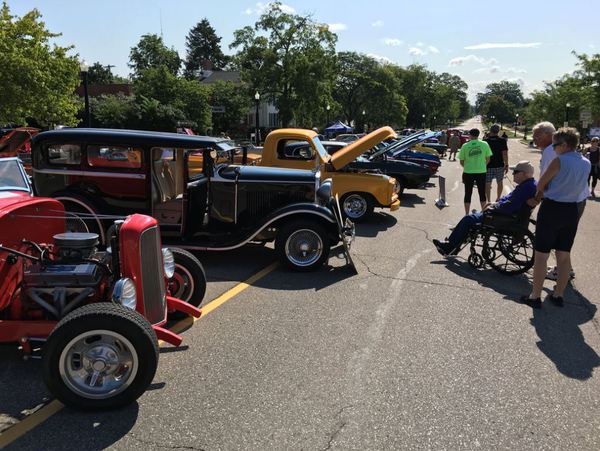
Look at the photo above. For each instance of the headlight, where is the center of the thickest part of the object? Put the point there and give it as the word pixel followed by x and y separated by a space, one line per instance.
pixel 325 191
pixel 168 262
pixel 124 293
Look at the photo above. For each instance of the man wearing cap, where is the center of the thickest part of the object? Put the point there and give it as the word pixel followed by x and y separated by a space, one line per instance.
pixel 498 165
pixel 508 205
pixel 474 156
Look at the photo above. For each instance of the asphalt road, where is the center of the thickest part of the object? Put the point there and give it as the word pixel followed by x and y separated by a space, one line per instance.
pixel 414 352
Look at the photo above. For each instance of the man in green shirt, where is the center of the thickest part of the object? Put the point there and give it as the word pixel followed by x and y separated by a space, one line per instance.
pixel 474 156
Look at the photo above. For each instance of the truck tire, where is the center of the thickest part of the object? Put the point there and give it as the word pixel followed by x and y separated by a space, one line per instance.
pixel 100 356
pixel 302 245
pixel 357 206
pixel 189 281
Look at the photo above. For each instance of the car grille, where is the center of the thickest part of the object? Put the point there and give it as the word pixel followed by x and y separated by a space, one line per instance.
pixel 259 203
pixel 153 282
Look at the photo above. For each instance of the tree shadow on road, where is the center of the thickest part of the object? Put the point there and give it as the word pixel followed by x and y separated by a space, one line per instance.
pixel 558 329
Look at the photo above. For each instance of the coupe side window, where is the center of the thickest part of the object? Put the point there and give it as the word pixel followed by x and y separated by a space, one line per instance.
pixel 110 156
pixel 295 150
pixel 64 154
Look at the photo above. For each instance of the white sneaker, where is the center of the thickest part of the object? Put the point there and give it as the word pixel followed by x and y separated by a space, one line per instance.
pixel 552 273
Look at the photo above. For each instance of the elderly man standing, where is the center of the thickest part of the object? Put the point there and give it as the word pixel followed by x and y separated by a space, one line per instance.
pixel 560 186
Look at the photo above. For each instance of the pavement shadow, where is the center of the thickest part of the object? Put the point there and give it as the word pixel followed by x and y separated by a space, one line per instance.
pixel 561 338
pixel 409 200
pixel 558 329
pixel 378 222
pixel 92 430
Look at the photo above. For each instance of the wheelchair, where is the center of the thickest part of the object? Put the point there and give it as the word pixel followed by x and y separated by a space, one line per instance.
pixel 502 242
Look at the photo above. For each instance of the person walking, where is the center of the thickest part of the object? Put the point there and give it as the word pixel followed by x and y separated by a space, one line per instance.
pixel 474 156
pixel 593 155
pixel 498 165
pixel 559 191
pixel 454 144
pixel 443 139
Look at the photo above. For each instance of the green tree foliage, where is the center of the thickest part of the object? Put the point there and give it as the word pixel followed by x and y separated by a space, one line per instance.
pixel 99 74
pixel 363 84
pixel 152 53
pixel 509 91
pixel 289 59
pixel 202 43
pixel 234 98
pixel 38 78
pixel 500 109
pixel 114 111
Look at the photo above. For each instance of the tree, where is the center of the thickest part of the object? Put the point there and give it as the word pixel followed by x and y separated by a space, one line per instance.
pixel 38 79
pixel 152 53
pixel 501 109
pixel 234 98
pixel 114 111
pixel 99 74
pixel 289 59
pixel 202 43
pixel 509 91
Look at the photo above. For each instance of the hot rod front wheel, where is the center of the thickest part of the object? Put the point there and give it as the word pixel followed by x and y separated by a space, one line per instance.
pixel 100 356
pixel 189 281
pixel 357 206
pixel 302 245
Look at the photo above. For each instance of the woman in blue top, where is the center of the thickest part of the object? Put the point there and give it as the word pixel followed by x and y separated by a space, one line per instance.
pixel 560 187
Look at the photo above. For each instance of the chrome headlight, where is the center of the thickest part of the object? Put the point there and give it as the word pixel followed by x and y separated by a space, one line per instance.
pixel 168 262
pixel 325 191
pixel 124 293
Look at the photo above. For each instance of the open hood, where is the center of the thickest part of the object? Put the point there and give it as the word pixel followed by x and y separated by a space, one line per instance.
pixel 357 148
pixel 16 139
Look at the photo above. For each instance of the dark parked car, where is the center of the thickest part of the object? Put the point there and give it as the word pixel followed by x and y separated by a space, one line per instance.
pixel 408 175
pixel 223 207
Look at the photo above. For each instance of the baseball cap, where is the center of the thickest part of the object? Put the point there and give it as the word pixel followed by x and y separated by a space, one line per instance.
pixel 523 166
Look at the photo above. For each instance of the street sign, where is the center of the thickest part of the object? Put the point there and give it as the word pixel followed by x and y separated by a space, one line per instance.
pixel 584 124
pixel 585 115
pixel 565 124
pixel 217 109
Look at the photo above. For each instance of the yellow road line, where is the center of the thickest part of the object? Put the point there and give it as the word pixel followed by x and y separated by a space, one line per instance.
pixel 38 417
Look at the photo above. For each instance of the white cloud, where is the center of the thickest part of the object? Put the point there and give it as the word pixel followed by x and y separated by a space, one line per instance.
pixel 498 69
pixel 514 70
pixel 335 27
pixel 460 60
pixel 377 24
pixel 380 59
pixel 393 42
pixel 432 49
pixel 416 51
pixel 498 45
pixel 420 44
pixel 261 7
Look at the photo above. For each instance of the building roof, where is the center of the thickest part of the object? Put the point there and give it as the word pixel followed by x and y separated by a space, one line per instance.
pixel 221 75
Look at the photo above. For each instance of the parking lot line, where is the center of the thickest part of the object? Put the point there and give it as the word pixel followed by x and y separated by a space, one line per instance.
pixel 39 416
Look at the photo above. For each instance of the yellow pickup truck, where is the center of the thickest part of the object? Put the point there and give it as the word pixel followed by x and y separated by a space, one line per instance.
pixel 359 192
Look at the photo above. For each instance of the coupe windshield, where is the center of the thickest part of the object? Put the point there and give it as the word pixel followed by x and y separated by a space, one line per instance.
pixel 12 176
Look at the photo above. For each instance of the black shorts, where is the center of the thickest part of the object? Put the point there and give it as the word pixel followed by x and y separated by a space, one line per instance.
pixel 556 226
pixel 471 179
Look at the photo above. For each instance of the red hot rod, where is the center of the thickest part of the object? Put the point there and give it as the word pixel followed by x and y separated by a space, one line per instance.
pixel 94 317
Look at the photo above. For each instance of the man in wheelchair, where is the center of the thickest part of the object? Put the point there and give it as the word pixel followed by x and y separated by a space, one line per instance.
pixel 509 209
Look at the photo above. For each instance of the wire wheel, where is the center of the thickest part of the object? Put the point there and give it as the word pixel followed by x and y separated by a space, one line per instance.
pixel 509 253
pixel 304 247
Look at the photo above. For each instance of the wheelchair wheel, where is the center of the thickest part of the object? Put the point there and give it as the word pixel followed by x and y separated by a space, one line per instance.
pixel 509 253
pixel 476 261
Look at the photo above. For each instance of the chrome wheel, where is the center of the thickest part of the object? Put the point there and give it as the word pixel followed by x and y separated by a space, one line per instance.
pixel 355 206
pixel 304 247
pixel 98 364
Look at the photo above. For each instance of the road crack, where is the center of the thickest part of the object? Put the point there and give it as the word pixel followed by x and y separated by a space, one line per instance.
pixel 341 424
pixel 166 446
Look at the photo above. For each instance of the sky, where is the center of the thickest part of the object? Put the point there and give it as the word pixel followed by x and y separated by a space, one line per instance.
pixel 528 42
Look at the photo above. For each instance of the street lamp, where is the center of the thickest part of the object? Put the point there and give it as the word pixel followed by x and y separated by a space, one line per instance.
pixel 84 68
pixel 567 106
pixel 423 115
pixel 257 131
pixel 328 107
pixel 516 122
pixel 363 119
